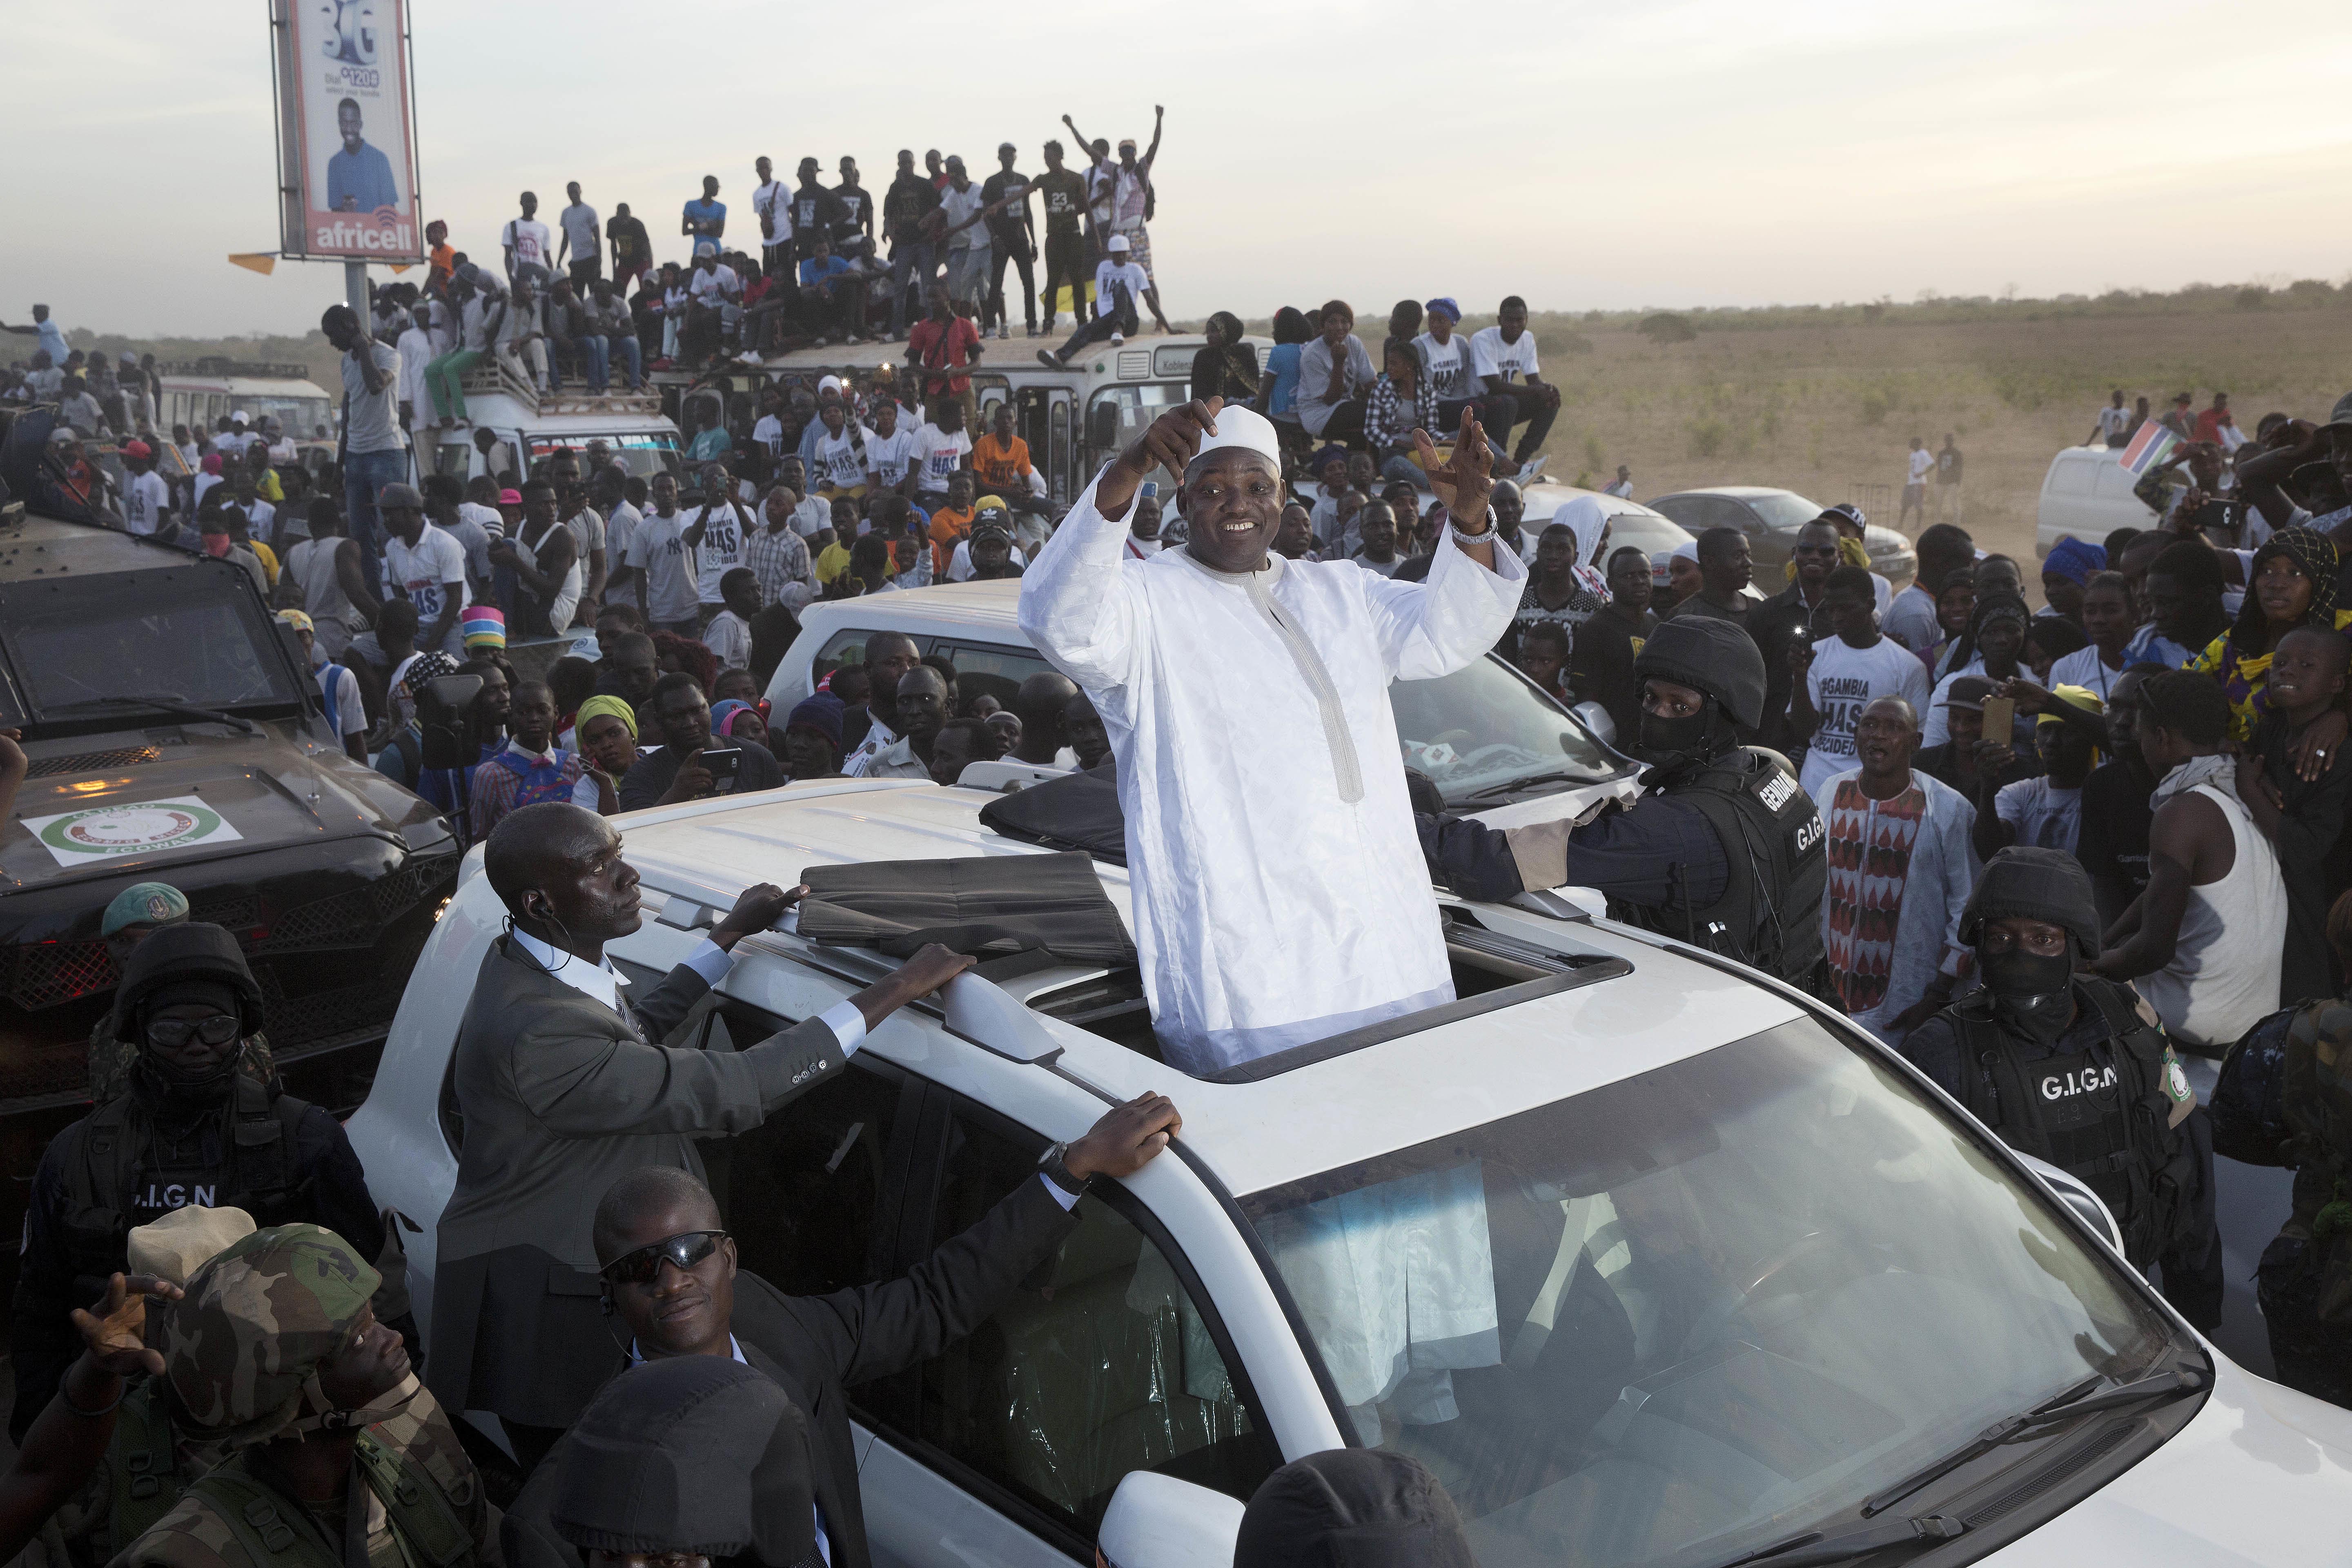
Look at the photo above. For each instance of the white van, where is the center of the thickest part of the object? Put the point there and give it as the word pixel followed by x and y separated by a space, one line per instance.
pixel 1650 1259
pixel 2086 495
pixel 529 425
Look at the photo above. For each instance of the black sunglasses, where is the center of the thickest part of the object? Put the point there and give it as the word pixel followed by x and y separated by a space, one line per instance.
pixel 217 1030
pixel 643 1266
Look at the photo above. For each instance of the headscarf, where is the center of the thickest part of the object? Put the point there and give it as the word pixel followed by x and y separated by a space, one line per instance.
pixel 1443 302
pixel 2232 658
pixel 1590 523
pixel 2073 560
pixel 1240 360
pixel 298 620
pixel 2315 556
pixel 424 667
pixel 1991 608
pixel 721 712
pixel 601 703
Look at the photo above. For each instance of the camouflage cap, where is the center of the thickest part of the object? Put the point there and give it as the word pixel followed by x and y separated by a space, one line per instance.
pixel 257 1322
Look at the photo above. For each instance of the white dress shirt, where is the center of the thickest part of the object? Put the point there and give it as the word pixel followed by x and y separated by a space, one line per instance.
pixel 601 983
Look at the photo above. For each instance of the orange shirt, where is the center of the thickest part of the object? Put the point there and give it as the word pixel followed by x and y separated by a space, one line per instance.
pixel 1001 465
pixel 948 526
pixel 445 262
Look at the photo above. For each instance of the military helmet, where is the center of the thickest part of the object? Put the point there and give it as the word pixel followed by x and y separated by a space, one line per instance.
pixel 257 1322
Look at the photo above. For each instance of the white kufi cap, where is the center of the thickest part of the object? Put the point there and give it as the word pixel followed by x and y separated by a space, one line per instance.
pixel 1245 428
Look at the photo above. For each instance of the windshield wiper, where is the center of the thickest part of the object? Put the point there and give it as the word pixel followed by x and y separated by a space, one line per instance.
pixel 158 705
pixel 1558 776
pixel 1855 1541
pixel 2074 1402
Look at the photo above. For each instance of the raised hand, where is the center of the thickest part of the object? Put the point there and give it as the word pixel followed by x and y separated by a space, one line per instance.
pixel 114 1331
pixel 1173 439
pixel 1465 480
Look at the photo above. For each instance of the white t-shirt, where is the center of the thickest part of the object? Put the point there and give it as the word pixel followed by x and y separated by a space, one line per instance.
pixel 721 549
pixel 1490 355
pixel 887 455
pixel 2114 421
pixel 839 460
pixel 773 200
pixel 2083 667
pixel 1922 462
pixel 619 529
pixel 144 498
pixel 2045 816
pixel 1843 681
pixel 728 637
pixel 261 520
pixel 529 239
pixel 350 712
pixel 429 573
pixel 582 231
pixel 957 205
pixel 1447 364
pixel 1126 275
pixel 656 548
pixel 768 431
pixel 709 287
pixel 938 455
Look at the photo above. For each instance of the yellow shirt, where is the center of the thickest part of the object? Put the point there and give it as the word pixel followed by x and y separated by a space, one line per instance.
pixel 832 561
pixel 268 557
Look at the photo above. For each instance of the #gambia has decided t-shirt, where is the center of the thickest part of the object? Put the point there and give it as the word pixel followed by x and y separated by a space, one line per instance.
pixel 425 571
pixel 721 549
pixel 1490 355
pixel 939 454
pixel 841 458
pixel 1843 681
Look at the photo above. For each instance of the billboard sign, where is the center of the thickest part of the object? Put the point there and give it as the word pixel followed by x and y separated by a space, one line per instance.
pixel 346 144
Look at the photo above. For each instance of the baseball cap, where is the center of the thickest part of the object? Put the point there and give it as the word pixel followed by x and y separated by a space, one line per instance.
pixel 510 498
pixel 1118 245
pixel 1968 691
pixel 398 495
pixel 137 449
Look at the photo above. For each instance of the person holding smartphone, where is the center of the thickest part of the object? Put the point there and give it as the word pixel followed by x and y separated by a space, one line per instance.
pixel 691 763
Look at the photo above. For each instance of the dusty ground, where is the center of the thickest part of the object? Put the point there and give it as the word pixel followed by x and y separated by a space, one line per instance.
pixel 1829 410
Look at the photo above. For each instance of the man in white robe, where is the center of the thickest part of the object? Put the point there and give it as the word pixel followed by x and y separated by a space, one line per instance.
pixel 1280 895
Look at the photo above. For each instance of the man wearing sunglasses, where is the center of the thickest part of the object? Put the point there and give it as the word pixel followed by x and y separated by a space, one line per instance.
pixel 672 1287
pixel 565 1090
pixel 189 1129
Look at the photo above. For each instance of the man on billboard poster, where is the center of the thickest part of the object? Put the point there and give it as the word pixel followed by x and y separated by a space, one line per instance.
pixel 359 178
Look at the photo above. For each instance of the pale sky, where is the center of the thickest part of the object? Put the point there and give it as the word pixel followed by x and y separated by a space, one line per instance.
pixel 1586 156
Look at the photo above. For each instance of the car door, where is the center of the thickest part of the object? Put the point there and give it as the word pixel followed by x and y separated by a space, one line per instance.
pixel 1108 1359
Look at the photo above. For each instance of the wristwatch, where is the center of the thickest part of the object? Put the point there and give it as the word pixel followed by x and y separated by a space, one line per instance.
pixel 1050 1167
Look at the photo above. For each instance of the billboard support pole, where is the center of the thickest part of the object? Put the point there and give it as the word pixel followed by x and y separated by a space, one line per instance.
pixel 355 289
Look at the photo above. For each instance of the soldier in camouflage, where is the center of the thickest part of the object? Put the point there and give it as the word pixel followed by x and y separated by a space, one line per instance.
pixel 341 1458
pixel 190 1129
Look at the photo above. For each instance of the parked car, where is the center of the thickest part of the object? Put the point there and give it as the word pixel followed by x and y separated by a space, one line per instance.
pixel 1489 738
pixel 2086 495
pixel 1652 1260
pixel 174 734
pixel 1771 519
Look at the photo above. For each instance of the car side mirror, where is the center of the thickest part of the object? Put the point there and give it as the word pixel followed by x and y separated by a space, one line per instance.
pixel 1596 719
pixel 2077 1194
pixel 1102 425
pixel 1158 1522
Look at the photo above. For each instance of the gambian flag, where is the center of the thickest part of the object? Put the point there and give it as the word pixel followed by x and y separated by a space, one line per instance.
pixel 2150 446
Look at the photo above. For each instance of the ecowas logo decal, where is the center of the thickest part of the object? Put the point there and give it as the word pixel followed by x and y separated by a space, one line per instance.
pixel 147 829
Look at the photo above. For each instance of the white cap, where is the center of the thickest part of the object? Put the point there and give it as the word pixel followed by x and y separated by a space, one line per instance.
pixel 1687 550
pixel 1118 245
pixel 1245 428
pixel 237 417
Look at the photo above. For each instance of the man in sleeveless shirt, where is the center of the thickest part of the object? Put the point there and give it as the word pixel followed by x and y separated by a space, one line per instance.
pixel 2202 939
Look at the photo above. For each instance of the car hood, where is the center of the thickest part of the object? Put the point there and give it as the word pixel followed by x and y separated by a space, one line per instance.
pixel 2263 1475
pixel 274 788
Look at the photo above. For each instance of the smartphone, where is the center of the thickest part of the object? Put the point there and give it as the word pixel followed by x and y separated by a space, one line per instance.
pixel 2000 721
pixel 721 762
pixel 2224 514
pixel 1149 490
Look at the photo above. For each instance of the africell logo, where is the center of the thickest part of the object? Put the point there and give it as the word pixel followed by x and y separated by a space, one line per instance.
pixel 392 235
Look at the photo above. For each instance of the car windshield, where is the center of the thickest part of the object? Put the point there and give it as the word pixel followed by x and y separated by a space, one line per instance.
pixel 643 455
pixel 178 633
pixel 1486 725
pixel 1783 509
pixel 1697 1311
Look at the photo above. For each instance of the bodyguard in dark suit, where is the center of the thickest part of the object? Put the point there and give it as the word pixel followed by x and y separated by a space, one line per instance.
pixel 670 1275
pixel 563 1092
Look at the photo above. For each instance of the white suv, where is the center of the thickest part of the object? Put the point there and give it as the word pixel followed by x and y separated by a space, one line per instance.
pixel 1489 738
pixel 1649 1260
